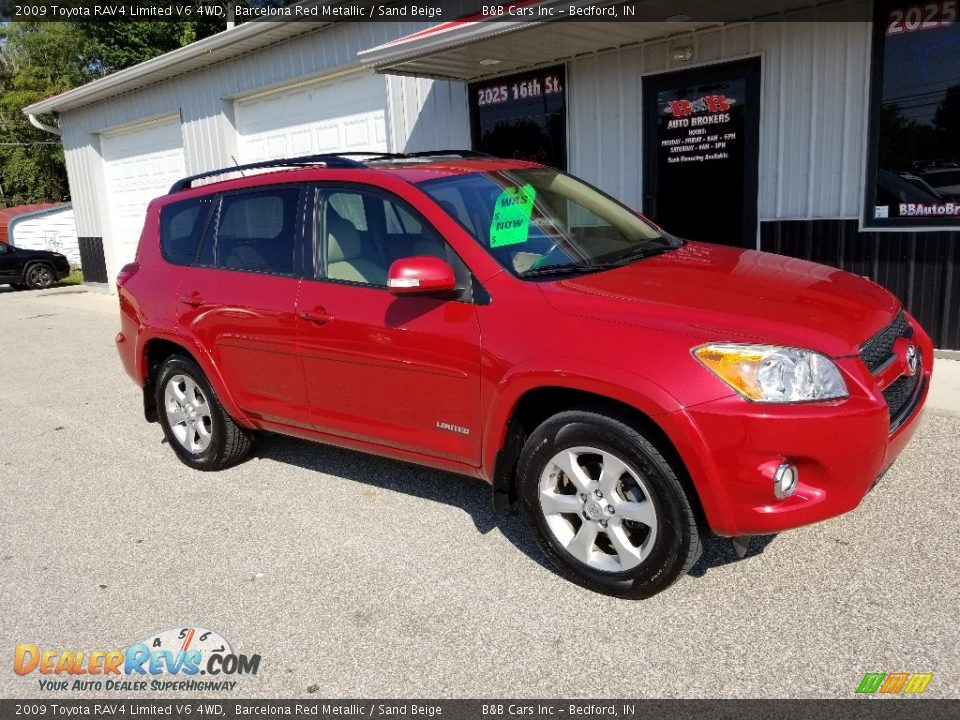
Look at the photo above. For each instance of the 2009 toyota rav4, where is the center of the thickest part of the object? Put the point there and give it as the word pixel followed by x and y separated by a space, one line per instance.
pixel 506 320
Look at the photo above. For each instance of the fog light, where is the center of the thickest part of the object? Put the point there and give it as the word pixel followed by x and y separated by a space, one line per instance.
pixel 785 480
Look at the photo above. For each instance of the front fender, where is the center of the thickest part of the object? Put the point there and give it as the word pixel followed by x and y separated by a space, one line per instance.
pixel 568 373
pixel 617 384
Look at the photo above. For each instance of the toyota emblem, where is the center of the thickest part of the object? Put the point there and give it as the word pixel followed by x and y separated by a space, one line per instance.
pixel 913 360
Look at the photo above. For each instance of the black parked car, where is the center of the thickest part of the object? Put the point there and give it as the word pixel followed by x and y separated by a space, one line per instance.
pixel 35 269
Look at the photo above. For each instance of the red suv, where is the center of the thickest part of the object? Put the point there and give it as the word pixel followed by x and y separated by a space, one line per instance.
pixel 505 320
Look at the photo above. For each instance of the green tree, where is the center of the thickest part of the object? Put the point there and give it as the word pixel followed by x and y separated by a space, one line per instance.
pixel 38 60
pixel 114 46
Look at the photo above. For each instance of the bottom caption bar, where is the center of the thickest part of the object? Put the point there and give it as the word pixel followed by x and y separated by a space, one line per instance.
pixel 869 709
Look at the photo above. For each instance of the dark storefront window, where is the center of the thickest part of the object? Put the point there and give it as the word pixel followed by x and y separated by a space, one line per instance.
pixel 914 173
pixel 522 117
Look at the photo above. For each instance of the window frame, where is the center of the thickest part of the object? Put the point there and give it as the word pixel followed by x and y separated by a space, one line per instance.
pixel 881 8
pixel 211 234
pixel 317 260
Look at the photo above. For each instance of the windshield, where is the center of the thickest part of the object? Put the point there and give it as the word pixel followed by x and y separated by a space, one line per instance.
pixel 539 221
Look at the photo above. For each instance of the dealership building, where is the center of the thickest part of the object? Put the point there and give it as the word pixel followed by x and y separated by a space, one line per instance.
pixel 835 140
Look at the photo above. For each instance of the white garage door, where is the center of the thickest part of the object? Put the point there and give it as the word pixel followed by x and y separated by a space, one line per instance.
pixel 333 116
pixel 141 164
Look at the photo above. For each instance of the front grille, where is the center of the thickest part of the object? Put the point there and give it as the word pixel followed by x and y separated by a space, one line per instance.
pixel 902 396
pixel 879 349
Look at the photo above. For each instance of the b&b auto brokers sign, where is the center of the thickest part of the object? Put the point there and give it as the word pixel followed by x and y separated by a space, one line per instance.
pixel 698 130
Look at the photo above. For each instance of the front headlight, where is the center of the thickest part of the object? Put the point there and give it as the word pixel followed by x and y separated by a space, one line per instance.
pixel 773 374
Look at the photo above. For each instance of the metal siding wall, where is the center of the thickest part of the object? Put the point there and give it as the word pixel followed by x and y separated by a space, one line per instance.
pixel 812 133
pixel 604 120
pixel 813 115
pixel 208 135
pixel 426 114
pixel 32 233
pixel 82 160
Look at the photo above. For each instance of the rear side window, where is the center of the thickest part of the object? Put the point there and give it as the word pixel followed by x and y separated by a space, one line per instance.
pixel 181 228
pixel 257 231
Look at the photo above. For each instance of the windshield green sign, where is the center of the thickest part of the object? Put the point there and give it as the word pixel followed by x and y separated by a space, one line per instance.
pixel 511 216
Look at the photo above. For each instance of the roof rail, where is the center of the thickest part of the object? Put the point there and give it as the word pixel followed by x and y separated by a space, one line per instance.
pixel 330 160
pixel 335 160
pixel 374 157
pixel 461 153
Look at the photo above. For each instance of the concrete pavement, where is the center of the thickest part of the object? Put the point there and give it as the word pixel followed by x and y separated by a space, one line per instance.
pixel 357 576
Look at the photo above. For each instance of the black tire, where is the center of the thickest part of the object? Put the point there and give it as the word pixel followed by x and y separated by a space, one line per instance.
pixel 228 442
pixel 40 276
pixel 18 286
pixel 677 542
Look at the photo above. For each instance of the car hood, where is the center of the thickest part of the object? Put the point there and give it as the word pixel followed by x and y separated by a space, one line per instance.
pixel 716 293
pixel 27 253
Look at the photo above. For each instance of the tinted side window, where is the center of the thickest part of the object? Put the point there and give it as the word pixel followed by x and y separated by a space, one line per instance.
pixel 181 227
pixel 366 232
pixel 257 231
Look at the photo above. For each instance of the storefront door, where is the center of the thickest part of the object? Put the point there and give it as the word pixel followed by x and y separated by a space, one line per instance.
pixel 701 138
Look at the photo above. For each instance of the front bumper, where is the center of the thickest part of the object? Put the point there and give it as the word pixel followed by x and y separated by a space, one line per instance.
pixel 839 447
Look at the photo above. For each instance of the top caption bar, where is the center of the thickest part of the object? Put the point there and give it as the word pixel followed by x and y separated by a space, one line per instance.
pixel 435 11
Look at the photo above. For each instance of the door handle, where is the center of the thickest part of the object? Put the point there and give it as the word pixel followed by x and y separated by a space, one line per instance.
pixel 318 316
pixel 193 300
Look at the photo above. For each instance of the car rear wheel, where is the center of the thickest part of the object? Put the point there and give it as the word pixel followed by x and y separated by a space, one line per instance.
pixel 194 422
pixel 40 276
pixel 606 505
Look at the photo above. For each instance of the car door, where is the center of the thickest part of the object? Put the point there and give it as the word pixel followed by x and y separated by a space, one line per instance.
pixel 397 371
pixel 238 299
pixel 9 264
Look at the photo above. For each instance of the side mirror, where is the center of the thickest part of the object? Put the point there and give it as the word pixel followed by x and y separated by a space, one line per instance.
pixel 421 275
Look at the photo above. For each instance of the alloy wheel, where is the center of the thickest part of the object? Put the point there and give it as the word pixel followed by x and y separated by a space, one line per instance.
pixel 188 413
pixel 598 508
pixel 40 276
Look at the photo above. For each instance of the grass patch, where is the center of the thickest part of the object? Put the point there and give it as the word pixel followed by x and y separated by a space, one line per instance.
pixel 74 278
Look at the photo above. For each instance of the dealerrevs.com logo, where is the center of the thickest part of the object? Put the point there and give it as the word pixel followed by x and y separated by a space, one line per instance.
pixel 186 658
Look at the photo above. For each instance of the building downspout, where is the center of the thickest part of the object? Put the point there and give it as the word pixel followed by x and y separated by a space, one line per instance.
pixel 43 126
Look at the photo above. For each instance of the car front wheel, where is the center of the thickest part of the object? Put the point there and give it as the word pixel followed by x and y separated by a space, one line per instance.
pixel 40 277
pixel 194 422
pixel 606 505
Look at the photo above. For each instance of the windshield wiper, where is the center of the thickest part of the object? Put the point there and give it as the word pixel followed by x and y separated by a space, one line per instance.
pixel 582 268
pixel 637 254
pixel 559 269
